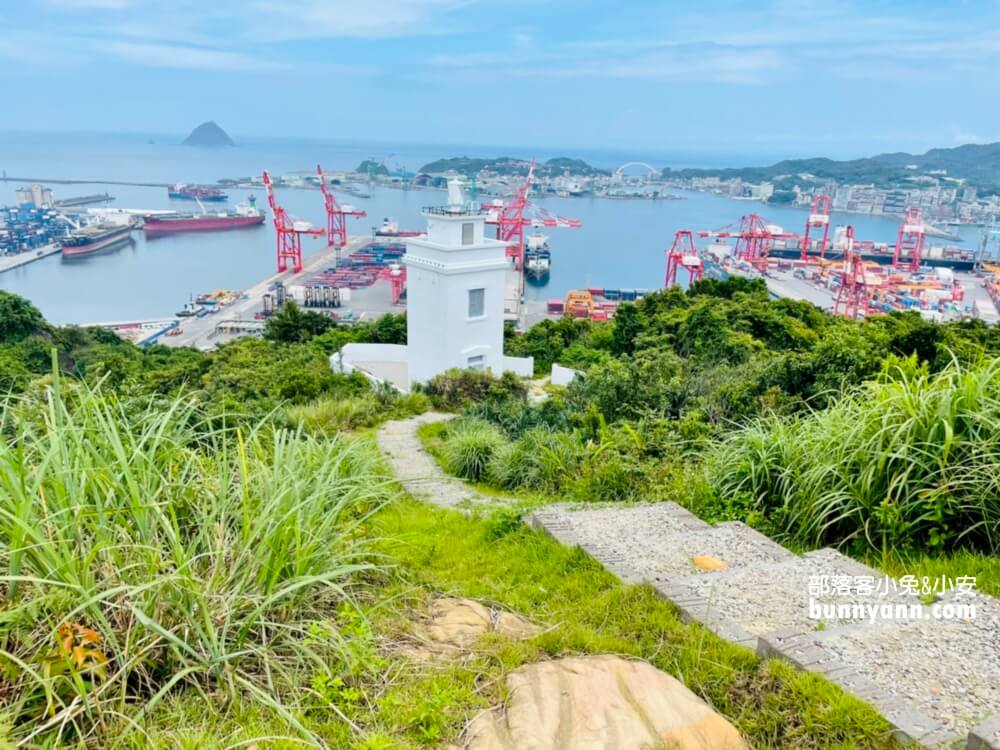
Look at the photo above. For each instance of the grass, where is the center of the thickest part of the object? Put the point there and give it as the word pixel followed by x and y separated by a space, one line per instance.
pixel 471 446
pixel 145 554
pixel 329 416
pixel 495 558
pixel 907 463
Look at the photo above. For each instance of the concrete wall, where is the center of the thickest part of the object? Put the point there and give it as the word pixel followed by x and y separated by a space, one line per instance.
pixel 350 355
pixel 562 375
pixel 523 366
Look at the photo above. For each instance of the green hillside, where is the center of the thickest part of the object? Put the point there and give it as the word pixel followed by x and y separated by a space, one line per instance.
pixel 978 164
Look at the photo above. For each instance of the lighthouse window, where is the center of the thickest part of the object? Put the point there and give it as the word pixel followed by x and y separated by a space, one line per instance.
pixel 477 362
pixel 467 233
pixel 477 303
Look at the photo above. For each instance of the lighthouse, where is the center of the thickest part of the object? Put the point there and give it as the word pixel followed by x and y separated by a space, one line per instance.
pixel 455 287
pixel 455 283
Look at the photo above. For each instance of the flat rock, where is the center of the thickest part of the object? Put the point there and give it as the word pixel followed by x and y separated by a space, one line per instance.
pixel 599 703
pixel 454 625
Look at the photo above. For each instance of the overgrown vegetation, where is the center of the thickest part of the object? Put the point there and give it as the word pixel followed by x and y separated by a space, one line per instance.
pixel 878 436
pixel 144 551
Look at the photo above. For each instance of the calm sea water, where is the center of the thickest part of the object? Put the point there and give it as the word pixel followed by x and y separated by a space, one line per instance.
pixel 621 243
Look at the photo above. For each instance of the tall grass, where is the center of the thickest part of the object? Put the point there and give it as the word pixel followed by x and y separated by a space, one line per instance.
pixel 142 552
pixel 470 446
pixel 911 461
pixel 330 415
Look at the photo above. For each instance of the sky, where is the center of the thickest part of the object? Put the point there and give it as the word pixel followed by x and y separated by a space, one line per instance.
pixel 748 81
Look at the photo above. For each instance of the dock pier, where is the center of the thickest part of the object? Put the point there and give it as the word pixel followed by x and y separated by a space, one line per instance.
pixel 10 262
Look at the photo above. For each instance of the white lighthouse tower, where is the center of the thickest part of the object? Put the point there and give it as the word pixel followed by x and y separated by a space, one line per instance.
pixel 455 283
pixel 454 291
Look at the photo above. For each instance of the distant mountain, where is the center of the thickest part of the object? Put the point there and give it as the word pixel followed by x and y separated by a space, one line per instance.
pixel 210 135
pixel 978 164
pixel 509 166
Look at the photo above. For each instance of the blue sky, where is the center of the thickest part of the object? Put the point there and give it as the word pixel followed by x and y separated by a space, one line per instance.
pixel 751 80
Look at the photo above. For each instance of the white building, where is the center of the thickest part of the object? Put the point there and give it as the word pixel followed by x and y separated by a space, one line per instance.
pixel 455 278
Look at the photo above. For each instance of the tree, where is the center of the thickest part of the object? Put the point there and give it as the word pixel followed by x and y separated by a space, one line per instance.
pixel 290 325
pixel 628 325
pixel 18 318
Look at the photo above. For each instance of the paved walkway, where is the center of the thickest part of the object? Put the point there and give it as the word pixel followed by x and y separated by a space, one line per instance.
pixel 418 471
pixel 936 680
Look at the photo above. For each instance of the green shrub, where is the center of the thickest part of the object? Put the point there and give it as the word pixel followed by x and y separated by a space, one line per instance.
pixel 470 446
pixel 456 389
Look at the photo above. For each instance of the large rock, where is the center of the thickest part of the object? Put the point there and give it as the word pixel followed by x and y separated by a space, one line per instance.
pixel 599 703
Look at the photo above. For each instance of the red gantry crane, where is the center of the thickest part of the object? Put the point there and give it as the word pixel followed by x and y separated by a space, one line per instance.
pixel 511 220
pixel 853 296
pixel 336 214
pixel 289 232
pixel 683 254
pixel 753 238
pixel 910 241
pixel 819 218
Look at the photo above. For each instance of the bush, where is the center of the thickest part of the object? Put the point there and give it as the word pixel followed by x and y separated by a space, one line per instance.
pixel 456 389
pixel 470 446
pixel 141 552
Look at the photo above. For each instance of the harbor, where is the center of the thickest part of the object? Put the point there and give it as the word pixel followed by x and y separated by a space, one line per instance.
pixel 613 245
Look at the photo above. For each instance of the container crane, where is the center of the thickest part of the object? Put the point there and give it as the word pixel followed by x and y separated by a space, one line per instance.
pixel 852 297
pixel 683 254
pixel 511 220
pixel 819 218
pixel 289 231
pixel 336 214
pixel 910 241
pixel 753 238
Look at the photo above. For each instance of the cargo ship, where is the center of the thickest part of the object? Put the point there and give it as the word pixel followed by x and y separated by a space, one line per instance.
pixel 89 240
pixel 181 191
pixel 243 216
pixel 537 259
pixel 390 228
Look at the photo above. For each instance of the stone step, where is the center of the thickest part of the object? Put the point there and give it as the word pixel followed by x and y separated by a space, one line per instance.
pixel 655 542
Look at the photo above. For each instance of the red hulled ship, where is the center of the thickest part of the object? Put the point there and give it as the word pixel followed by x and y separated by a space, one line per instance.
pixel 245 215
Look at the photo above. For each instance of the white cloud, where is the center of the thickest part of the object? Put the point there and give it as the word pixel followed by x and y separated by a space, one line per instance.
pixel 188 58
pixel 352 18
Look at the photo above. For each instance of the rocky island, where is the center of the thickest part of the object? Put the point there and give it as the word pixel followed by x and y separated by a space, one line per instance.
pixel 208 135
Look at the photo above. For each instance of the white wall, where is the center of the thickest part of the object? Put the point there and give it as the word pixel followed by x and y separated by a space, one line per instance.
pixel 440 274
pixel 523 366
pixel 562 375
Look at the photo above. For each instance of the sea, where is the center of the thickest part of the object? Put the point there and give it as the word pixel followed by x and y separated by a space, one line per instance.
pixel 621 243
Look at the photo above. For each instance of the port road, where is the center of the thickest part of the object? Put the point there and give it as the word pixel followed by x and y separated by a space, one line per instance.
pixel 7 262
pixel 210 330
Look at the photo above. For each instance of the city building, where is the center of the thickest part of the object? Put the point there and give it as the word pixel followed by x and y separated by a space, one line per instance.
pixel 455 278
